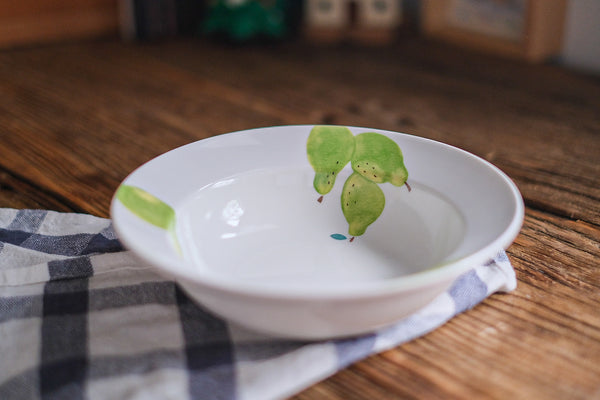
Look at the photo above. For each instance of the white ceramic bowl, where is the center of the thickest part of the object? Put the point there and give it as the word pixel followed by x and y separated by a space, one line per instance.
pixel 250 241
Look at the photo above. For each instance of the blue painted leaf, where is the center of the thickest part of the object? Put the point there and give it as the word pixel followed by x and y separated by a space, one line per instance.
pixel 338 236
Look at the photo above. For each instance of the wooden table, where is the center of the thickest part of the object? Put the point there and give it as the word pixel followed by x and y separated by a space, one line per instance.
pixel 76 119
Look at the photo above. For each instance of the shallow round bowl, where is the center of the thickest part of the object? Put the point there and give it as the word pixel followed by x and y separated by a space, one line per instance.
pixel 236 221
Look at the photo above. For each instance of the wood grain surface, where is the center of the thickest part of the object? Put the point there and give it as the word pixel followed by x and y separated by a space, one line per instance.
pixel 76 119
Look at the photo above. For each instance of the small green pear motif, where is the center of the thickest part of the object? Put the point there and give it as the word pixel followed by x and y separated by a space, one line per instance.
pixel 151 209
pixel 329 149
pixel 362 203
pixel 147 206
pixel 379 159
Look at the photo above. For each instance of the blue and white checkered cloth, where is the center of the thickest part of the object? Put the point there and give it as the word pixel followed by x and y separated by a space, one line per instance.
pixel 81 318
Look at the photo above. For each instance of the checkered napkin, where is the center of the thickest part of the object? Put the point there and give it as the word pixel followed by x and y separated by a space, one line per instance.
pixel 81 318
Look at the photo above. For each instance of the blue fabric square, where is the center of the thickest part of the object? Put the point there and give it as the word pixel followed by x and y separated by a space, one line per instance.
pixel 467 291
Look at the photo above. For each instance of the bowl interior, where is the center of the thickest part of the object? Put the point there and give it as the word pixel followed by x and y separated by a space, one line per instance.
pixel 268 227
pixel 247 214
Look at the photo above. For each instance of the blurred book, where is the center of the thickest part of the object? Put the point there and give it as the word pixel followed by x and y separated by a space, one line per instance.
pixel 154 19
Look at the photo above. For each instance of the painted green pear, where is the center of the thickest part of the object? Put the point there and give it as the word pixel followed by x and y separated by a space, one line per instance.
pixel 147 206
pixel 329 149
pixel 379 159
pixel 362 203
pixel 151 209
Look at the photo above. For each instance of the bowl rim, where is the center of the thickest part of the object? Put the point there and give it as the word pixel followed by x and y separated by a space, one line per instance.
pixel 444 273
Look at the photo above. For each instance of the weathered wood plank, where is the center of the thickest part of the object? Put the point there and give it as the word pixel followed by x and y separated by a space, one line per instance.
pixel 15 192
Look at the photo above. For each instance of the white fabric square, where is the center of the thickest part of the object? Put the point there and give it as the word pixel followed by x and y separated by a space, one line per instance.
pixel 498 276
pixel 120 269
pixel 24 276
pixel 16 257
pixel 36 289
pixel 281 376
pixel 134 330
pixel 62 224
pixel 7 216
pixel 162 384
pixel 22 351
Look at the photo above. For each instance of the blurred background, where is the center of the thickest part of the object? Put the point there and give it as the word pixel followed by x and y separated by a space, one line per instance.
pixel 559 31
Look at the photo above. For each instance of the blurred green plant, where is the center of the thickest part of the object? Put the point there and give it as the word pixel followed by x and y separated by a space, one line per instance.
pixel 243 20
